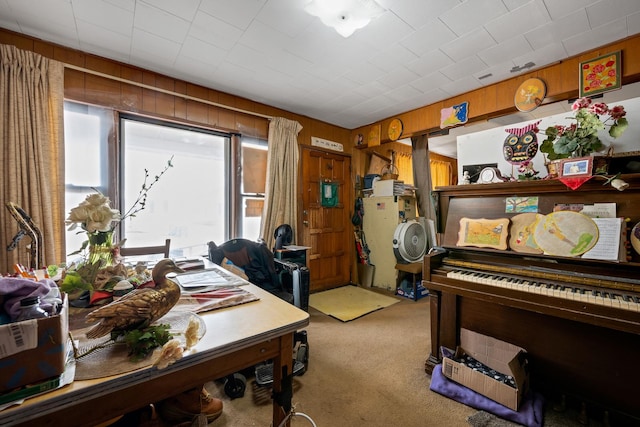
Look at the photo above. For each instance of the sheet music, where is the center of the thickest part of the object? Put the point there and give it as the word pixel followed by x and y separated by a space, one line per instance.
pixel 608 245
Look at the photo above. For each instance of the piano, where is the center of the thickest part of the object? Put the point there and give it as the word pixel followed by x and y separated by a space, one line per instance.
pixel 578 319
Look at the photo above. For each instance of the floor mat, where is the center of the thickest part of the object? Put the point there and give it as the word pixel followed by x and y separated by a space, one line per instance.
pixel 349 302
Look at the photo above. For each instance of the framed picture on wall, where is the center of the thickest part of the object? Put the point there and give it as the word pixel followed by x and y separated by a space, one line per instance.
pixel 601 74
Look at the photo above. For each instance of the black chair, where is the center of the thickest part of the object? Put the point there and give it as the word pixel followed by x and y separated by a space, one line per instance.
pixel 260 267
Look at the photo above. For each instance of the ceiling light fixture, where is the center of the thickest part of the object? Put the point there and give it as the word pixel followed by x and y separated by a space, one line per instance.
pixel 345 16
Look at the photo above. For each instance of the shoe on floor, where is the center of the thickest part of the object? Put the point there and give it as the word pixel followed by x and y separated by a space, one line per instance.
pixel 188 406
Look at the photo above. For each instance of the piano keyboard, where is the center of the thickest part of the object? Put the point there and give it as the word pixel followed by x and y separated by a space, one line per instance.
pixel 613 299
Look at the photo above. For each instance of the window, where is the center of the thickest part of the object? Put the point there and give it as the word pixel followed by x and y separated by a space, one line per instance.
pixel 254 172
pixel 190 203
pixel 88 140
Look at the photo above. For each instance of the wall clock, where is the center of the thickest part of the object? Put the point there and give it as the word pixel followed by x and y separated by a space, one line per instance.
pixel 395 129
pixel 530 94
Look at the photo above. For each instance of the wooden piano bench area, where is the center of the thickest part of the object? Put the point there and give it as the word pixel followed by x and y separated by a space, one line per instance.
pixel 577 317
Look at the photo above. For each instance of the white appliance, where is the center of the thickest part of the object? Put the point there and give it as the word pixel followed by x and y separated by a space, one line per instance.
pixel 381 218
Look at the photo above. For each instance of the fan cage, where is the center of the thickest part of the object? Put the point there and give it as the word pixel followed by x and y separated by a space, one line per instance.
pixel 411 241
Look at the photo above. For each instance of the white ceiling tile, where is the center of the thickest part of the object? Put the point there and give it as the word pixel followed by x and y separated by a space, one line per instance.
pixel 185 9
pixel 559 29
pixel 428 83
pixel 470 15
pixel 468 66
pixel 400 76
pixel 93 37
pixel 559 8
pixel 608 11
pixel 469 44
pixel 384 31
pixel 435 33
pixel 510 25
pixel 160 23
pixel 104 14
pixel 238 13
pixel 388 59
pixel 129 5
pixel 633 23
pixel 194 48
pixel 214 31
pixel 514 46
pixel 426 64
pixel 465 84
pixel 417 13
pixel 152 48
pixel 602 35
pixel 286 16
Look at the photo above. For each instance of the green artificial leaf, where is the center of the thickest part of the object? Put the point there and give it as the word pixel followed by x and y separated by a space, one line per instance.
pixel 142 342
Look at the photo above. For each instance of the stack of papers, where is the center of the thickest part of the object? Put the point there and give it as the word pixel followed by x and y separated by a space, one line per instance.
pixel 199 281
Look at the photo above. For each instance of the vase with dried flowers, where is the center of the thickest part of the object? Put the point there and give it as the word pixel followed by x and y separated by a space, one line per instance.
pixel 96 217
pixel 581 137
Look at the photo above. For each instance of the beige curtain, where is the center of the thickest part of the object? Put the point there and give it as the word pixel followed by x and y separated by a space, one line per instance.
pixel 32 154
pixel 280 204
pixel 441 173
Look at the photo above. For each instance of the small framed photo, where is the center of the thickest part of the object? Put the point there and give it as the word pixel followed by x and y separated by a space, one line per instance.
pixel 601 74
pixel 577 167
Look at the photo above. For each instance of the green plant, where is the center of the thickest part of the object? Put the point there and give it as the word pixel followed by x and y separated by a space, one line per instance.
pixel 141 342
pixel 581 137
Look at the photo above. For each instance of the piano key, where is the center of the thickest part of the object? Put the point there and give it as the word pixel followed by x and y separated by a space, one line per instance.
pixel 564 291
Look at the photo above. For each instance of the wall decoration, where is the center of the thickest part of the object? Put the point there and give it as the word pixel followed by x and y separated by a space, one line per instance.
pixel 484 233
pixel 325 143
pixel 530 94
pixel 328 194
pixel 395 129
pixel 577 167
pixel 601 74
pixel 565 233
pixel 456 115
pixel 373 139
pixel 521 233
pixel 521 144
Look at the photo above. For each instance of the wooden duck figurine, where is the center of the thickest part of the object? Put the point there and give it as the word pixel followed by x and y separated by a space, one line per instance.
pixel 141 307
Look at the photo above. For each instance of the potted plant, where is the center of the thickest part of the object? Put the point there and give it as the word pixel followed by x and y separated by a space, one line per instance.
pixel 580 138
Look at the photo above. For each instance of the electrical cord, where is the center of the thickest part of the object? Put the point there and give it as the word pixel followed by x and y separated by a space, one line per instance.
pixel 293 413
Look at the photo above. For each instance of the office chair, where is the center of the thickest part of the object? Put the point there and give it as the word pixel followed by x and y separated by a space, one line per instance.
pixel 147 250
pixel 259 265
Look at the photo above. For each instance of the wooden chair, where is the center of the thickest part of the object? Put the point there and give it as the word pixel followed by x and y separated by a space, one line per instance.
pixel 147 250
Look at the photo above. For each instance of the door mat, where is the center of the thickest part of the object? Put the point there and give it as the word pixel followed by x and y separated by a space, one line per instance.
pixel 349 302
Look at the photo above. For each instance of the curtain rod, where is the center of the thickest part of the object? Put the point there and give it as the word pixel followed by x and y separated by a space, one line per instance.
pixel 167 92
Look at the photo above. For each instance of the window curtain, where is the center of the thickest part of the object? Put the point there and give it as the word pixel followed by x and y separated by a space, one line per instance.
pixel 32 153
pixel 405 167
pixel 441 173
pixel 280 204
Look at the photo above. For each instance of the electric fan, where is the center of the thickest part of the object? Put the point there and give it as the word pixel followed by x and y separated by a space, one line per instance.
pixel 283 236
pixel 409 242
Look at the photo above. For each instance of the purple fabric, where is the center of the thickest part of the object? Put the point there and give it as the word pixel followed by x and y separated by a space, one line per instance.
pixel 13 289
pixel 531 411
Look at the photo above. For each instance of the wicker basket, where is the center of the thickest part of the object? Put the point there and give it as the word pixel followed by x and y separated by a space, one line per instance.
pixel 389 171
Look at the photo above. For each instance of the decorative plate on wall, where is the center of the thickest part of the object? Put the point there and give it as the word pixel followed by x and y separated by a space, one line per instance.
pixel 395 129
pixel 530 94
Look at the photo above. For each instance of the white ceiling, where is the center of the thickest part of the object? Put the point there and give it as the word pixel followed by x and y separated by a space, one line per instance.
pixel 271 51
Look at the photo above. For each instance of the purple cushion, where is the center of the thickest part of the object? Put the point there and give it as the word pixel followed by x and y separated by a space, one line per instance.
pixel 531 411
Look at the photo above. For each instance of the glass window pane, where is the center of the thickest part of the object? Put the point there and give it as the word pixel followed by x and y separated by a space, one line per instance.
pixel 251 216
pixel 86 139
pixel 189 203
pixel 254 168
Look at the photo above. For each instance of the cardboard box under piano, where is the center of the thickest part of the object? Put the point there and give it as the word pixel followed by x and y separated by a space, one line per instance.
pixel 506 376
pixel 44 354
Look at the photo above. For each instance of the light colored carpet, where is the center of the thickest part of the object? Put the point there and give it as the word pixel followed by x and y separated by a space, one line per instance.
pixel 349 302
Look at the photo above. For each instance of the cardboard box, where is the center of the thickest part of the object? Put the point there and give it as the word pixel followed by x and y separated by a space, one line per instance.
pixel 33 350
pixel 498 355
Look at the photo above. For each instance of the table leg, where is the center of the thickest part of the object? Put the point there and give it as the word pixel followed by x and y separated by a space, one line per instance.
pixel 283 380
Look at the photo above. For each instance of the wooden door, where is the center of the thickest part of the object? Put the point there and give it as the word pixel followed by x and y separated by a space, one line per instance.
pixel 325 229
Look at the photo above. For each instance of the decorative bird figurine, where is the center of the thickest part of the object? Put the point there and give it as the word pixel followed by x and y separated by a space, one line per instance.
pixel 141 307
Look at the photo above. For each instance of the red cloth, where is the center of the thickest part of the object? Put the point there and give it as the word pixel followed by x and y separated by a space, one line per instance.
pixel 576 182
